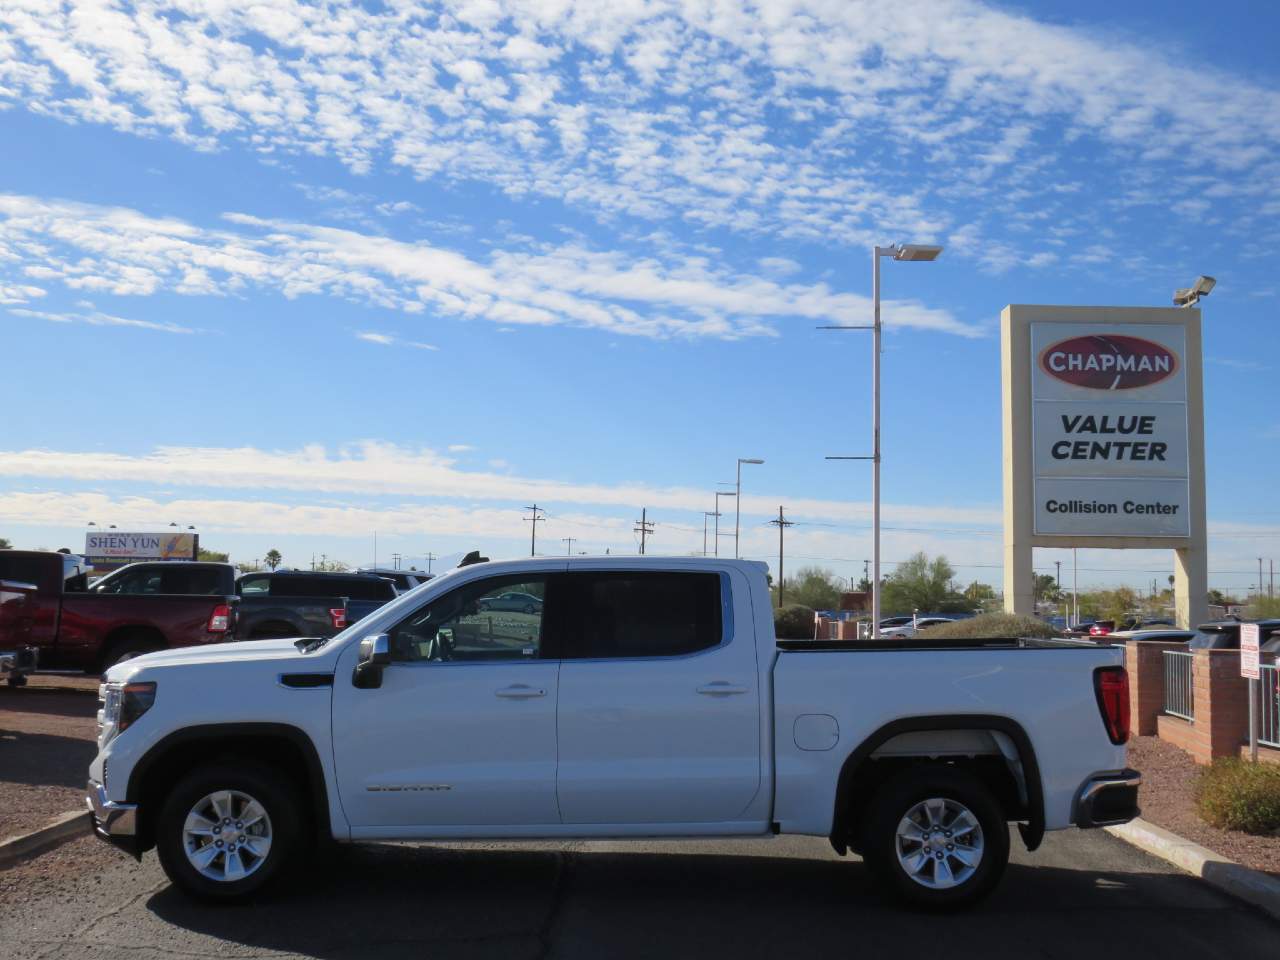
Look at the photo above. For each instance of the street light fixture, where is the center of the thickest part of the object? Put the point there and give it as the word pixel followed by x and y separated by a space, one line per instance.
pixel 1190 296
pixel 737 504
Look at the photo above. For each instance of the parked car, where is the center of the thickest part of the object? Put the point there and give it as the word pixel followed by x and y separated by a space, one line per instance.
pixel 661 704
pixel 522 602
pixel 298 603
pixel 909 629
pixel 888 623
pixel 1225 635
pixel 1151 634
pixel 1100 628
pixel 50 607
pixel 405 580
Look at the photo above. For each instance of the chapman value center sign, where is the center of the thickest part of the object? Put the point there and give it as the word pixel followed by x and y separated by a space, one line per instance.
pixel 1109 430
pixel 1102 415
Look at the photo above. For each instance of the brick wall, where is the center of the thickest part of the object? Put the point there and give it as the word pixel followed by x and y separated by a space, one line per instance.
pixel 1145 662
pixel 1221 696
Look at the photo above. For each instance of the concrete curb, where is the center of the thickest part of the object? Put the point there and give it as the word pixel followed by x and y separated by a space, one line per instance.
pixel 1228 876
pixel 56 831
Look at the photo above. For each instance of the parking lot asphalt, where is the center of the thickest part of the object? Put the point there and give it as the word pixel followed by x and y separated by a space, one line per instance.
pixel 1081 895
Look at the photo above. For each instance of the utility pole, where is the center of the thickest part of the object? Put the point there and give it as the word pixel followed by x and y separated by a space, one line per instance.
pixel 1259 578
pixel 781 523
pixel 644 527
pixel 395 561
pixel 1271 590
pixel 534 520
pixel 705 514
pixel 430 557
pixel 568 540
pixel 717 516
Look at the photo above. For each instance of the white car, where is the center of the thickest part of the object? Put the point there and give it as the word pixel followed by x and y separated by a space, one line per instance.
pixel 646 697
pixel 910 629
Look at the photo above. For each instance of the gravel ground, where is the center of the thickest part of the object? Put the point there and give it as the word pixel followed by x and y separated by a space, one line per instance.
pixel 1167 798
pixel 47 733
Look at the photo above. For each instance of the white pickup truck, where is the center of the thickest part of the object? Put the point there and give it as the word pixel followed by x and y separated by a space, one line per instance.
pixel 608 697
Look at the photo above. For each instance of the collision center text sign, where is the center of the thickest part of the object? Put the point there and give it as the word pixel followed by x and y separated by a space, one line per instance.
pixel 140 546
pixel 1109 430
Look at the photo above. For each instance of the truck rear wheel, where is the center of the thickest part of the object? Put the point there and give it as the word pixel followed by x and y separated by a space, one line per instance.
pixel 936 837
pixel 227 830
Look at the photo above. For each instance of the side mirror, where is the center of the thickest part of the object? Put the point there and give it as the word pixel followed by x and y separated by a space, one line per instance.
pixel 375 655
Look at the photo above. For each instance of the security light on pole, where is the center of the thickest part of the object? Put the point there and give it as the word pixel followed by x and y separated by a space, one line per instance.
pixel 1190 296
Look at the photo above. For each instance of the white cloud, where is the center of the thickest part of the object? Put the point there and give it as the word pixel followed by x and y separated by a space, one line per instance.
pixel 662 110
pixel 375 468
pixel 100 319
pixel 123 251
pixel 460 448
pixel 379 338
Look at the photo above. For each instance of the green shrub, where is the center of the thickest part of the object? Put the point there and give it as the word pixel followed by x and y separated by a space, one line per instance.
pixel 1236 795
pixel 991 626
pixel 793 622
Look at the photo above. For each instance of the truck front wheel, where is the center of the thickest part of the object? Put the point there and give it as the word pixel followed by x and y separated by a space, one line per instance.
pixel 227 830
pixel 936 837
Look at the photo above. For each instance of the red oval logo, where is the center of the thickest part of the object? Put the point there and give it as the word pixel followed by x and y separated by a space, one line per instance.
pixel 1109 362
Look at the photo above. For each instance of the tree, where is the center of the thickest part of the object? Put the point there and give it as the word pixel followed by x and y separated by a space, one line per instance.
pixel 5 544
pixel 1047 588
pixel 812 587
pixel 212 556
pixel 273 558
pixel 922 584
pixel 977 592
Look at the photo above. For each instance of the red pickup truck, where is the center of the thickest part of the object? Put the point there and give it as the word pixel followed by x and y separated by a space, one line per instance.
pixel 45 605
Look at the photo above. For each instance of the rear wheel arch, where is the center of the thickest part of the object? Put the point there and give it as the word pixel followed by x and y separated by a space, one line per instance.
pixel 861 773
pixel 132 638
pixel 285 748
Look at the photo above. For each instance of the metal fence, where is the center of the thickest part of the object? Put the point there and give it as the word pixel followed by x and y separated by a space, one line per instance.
pixel 1269 709
pixel 1178 699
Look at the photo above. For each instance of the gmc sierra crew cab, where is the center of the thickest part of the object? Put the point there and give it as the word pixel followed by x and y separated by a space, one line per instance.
pixel 641 697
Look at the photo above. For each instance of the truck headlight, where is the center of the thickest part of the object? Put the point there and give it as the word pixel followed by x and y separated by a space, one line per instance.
pixel 122 705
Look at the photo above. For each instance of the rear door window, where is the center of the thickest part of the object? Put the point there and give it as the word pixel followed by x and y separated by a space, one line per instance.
pixel 614 615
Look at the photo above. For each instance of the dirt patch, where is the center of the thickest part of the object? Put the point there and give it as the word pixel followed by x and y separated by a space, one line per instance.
pixel 48 875
pixel 48 736
pixel 1167 799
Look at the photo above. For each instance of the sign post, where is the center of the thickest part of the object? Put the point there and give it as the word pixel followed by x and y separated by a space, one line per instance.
pixel 1249 650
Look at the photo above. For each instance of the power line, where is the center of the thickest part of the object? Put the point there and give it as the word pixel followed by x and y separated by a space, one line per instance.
pixel 781 523
pixel 535 519
pixel 643 527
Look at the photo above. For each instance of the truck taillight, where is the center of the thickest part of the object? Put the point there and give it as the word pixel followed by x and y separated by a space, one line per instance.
pixel 220 619
pixel 1111 684
pixel 339 617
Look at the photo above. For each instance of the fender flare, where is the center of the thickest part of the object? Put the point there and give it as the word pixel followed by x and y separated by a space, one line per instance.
pixel 1032 831
pixel 316 784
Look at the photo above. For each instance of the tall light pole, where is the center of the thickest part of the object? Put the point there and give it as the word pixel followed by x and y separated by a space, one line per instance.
pixel 705 514
pixel 737 504
pixel 720 494
pixel 905 252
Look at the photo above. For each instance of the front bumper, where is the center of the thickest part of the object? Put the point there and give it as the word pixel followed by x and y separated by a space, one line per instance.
pixel 1108 799
pixel 114 822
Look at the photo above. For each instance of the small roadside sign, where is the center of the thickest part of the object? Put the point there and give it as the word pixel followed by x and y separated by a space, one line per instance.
pixel 1249 651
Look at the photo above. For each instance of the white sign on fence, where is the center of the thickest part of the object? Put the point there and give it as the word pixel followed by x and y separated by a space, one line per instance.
pixel 1249 637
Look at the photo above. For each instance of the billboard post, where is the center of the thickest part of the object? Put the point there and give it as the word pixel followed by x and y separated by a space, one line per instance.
pixel 1103 429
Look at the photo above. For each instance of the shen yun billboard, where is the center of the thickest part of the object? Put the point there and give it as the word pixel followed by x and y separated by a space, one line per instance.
pixel 1103 439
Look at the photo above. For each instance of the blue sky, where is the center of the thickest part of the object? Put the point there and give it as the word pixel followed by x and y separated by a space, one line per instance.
pixel 296 274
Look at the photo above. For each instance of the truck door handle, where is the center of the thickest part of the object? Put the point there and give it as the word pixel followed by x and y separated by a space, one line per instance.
pixel 720 688
pixel 519 691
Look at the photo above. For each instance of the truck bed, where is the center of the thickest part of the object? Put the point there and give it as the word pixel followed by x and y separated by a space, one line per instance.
pixel 954 643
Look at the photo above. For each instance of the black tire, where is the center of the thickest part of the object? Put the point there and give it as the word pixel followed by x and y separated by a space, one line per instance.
pixel 278 796
pixel 126 648
pixel 17 680
pixel 880 841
